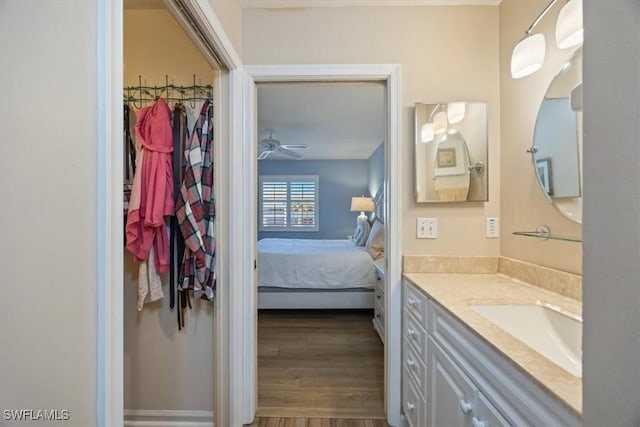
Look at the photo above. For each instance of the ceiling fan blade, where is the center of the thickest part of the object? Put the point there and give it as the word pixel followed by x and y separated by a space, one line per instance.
pixel 264 154
pixel 295 146
pixel 290 153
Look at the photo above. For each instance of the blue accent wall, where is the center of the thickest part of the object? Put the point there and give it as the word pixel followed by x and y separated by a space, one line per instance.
pixel 339 181
pixel 376 170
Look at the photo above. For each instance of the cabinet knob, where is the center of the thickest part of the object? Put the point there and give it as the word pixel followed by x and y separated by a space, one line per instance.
pixel 411 301
pixel 411 363
pixel 410 406
pixel 465 407
pixel 378 296
pixel 411 332
pixel 477 423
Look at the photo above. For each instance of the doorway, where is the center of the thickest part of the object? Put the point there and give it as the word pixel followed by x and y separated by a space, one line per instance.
pixel 389 76
pixel 320 146
pixel 204 30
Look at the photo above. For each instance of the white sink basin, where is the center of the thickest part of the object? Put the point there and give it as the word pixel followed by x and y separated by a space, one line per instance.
pixel 552 333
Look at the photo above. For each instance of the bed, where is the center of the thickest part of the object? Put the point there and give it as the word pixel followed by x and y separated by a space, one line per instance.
pixel 307 273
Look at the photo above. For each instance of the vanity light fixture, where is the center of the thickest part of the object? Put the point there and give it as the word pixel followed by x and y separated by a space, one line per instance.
pixel 455 112
pixel 528 55
pixel 440 118
pixel 440 123
pixel 569 29
pixel 427 134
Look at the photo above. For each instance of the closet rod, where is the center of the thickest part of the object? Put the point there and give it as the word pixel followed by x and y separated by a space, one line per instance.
pixel 169 91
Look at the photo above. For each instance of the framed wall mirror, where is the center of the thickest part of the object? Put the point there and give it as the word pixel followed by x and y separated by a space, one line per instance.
pixel 451 152
pixel 557 141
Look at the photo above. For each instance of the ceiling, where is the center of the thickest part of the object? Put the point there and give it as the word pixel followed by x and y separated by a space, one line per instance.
pixel 336 120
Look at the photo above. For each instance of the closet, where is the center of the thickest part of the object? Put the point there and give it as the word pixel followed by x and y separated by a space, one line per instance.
pixel 168 367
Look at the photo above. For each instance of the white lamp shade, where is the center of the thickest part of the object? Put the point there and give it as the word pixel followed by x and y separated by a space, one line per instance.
pixel 455 112
pixel 528 56
pixel 362 204
pixel 427 134
pixel 440 123
pixel 569 29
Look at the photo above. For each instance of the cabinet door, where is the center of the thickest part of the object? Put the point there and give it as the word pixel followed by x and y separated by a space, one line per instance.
pixel 486 415
pixel 452 393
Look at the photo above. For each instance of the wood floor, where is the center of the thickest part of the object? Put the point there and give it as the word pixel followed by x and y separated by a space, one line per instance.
pixel 319 364
pixel 316 422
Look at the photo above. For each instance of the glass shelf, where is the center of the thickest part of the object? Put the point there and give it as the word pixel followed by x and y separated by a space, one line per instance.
pixel 544 233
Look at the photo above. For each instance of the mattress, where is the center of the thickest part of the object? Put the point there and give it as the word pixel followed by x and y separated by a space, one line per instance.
pixel 314 264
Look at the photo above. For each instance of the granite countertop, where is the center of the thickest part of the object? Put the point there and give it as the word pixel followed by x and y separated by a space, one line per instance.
pixel 457 292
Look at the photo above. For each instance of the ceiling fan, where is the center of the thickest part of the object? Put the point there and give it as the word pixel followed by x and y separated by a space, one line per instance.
pixel 271 146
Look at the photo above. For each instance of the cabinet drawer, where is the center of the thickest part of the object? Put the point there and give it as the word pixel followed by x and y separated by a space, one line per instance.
pixel 379 292
pixel 414 367
pixel 413 405
pixel 415 302
pixel 416 335
pixel 379 312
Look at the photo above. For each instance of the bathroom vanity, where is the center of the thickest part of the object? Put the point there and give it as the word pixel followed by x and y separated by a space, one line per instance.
pixel 461 369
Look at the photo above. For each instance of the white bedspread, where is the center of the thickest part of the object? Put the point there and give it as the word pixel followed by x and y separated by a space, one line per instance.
pixel 314 264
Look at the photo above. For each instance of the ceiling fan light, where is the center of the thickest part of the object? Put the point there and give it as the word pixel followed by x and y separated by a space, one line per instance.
pixel 569 28
pixel 427 133
pixel 455 112
pixel 528 56
pixel 440 123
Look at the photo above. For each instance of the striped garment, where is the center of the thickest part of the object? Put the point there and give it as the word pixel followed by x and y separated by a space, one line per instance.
pixel 195 209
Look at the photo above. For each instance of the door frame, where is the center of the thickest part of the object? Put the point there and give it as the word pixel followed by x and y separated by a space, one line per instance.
pixel 246 310
pixel 205 30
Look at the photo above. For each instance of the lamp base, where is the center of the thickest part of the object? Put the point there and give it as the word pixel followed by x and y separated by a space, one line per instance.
pixel 361 218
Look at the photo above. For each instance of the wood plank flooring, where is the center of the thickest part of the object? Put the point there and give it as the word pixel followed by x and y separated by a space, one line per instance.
pixel 315 364
pixel 316 422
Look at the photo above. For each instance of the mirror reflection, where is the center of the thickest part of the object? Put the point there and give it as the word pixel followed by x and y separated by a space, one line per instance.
pixel 557 141
pixel 451 152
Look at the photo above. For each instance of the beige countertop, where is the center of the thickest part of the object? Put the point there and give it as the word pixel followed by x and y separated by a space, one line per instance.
pixel 457 292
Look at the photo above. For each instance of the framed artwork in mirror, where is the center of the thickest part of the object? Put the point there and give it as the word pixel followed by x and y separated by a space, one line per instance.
pixel 446 158
pixel 545 175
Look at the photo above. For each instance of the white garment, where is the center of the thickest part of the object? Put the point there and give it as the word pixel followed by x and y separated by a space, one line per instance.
pixel 149 282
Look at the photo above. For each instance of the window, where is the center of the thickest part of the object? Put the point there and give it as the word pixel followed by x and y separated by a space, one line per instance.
pixel 288 203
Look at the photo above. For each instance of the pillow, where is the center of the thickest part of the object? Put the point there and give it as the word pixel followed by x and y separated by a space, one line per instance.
pixel 375 241
pixel 361 233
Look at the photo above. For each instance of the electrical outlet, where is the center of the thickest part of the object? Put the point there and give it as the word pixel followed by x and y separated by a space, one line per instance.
pixel 493 228
pixel 427 228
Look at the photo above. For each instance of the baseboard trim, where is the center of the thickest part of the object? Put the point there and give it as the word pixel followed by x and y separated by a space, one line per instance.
pixel 168 418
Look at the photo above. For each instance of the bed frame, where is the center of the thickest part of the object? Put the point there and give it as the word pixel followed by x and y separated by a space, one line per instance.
pixel 285 298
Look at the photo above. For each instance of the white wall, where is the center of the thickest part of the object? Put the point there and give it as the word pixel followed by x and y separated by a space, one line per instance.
pixel 612 213
pixel 48 209
pixel 446 53
pixel 164 369
pixel 524 206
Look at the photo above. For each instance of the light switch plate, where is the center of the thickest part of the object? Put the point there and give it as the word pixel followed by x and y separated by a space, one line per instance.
pixel 427 228
pixel 493 227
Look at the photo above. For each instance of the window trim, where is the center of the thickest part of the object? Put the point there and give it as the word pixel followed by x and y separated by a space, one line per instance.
pixel 289 179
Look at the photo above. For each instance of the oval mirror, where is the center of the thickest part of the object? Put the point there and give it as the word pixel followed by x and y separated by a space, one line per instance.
pixel 557 140
pixel 451 174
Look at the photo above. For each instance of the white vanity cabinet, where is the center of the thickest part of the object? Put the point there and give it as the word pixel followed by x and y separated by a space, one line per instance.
pixel 452 377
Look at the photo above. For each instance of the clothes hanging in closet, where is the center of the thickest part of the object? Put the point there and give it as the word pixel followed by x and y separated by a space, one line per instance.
pixel 195 209
pixel 151 199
